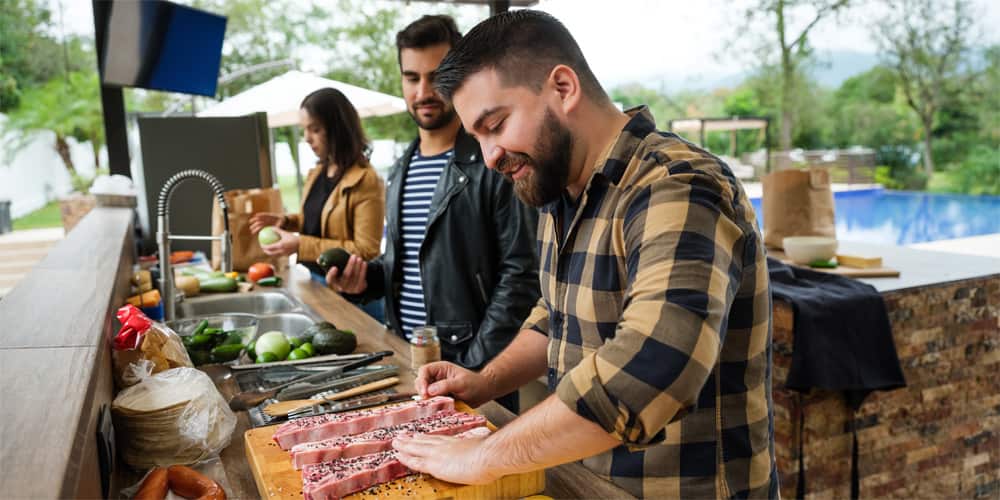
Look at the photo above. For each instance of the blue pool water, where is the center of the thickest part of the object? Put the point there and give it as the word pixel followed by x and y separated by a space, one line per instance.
pixel 904 217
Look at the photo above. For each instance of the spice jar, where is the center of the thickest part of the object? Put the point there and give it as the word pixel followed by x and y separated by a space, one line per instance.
pixel 424 346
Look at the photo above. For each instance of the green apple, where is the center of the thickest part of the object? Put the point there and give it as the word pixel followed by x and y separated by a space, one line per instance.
pixel 267 236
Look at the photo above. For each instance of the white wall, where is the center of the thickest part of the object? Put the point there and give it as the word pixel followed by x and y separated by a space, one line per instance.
pixel 33 175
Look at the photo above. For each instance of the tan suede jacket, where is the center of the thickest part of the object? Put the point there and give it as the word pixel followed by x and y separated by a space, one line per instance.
pixel 353 216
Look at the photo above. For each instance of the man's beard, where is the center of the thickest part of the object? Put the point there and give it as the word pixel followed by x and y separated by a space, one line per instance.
pixel 444 118
pixel 549 173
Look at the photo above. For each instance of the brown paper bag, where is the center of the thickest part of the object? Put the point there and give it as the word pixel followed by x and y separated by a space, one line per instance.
pixel 243 203
pixel 797 203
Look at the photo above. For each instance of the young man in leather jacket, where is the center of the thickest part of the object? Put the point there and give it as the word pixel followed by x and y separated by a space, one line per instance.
pixel 460 252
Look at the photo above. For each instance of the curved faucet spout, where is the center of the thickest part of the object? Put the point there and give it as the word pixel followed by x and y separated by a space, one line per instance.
pixel 163 229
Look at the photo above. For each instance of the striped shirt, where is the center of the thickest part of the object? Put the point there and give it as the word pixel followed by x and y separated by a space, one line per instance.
pixel 418 189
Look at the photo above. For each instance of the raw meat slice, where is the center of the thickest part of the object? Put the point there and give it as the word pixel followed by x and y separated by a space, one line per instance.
pixel 446 422
pixel 331 425
pixel 337 478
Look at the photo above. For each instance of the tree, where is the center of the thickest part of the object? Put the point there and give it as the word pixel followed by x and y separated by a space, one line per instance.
pixel 29 56
pixel 869 110
pixel 792 47
pixel 69 107
pixel 926 43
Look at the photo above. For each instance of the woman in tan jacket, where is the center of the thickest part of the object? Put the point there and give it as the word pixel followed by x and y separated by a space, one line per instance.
pixel 343 201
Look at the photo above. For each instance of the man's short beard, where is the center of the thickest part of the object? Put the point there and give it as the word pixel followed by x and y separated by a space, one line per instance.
pixel 549 173
pixel 442 120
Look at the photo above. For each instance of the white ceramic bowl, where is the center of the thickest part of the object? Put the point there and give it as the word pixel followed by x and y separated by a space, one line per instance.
pixel 806 249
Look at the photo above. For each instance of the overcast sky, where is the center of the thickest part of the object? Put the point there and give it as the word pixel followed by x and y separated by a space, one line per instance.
pixel 651 40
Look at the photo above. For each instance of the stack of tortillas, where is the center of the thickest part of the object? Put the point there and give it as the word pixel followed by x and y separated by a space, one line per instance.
pixel 174 417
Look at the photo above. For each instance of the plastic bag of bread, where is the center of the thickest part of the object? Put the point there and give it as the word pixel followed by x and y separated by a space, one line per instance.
pixel 173 417
pixel 143 347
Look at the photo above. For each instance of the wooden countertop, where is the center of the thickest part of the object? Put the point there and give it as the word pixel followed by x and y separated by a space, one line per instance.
pixel 565 481
pixel 55 362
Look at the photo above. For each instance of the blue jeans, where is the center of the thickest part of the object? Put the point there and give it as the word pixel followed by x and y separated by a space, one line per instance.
pixel 375 308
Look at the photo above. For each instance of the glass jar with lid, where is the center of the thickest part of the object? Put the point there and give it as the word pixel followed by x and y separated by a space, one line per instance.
pixel 425 347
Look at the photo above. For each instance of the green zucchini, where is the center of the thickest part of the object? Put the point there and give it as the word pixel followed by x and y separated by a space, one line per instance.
pixel 218 284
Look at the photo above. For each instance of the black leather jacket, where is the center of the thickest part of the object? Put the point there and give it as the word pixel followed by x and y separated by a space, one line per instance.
pixel 478 262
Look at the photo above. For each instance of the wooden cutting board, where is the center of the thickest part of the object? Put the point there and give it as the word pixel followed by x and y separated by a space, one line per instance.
pixel 277 479
pixel 851 272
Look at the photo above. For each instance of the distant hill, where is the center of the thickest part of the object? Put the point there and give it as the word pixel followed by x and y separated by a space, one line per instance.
pixel 830 70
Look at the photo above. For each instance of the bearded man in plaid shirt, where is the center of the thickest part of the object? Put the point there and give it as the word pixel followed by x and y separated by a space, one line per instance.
pixel 654 326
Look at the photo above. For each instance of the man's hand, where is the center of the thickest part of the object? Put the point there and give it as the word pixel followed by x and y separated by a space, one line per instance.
pixel 287 245
pixel 353 280
pixel 459 460
pixel 442 378
pixel 260 220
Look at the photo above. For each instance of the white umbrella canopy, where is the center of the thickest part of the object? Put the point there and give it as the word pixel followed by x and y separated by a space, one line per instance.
pixel 281 96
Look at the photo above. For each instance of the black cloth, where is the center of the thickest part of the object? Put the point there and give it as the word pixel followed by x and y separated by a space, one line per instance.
pixel 842 342
pixel 312 209
pixel 478 267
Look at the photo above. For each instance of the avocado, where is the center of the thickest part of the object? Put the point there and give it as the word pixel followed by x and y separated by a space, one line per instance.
pixel 334 257
pixel 333 341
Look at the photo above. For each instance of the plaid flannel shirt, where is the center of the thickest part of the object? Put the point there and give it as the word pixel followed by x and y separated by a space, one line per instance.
pixel 658 314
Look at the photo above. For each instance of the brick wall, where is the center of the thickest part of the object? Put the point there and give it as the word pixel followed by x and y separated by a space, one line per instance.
pixel 937 438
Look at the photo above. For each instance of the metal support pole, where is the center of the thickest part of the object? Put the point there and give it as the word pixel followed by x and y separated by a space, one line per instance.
pixel 498 6
pixel 112 100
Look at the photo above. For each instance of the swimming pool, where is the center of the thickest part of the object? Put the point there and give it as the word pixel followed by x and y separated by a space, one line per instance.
pixel 904 217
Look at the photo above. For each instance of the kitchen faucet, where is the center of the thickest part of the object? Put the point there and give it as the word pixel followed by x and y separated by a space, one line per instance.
pixel 163 237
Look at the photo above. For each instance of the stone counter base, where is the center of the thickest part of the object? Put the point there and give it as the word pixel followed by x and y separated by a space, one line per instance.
pixel 937 438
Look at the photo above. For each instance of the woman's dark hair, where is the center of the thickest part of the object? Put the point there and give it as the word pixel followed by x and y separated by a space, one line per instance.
pixel 345 139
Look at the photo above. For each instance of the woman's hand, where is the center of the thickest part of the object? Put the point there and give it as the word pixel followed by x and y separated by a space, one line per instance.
pixel 260 220
pixel 287 245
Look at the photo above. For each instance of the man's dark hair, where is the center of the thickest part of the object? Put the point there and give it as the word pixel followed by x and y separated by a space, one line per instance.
pixel 523 46
pixel 427 31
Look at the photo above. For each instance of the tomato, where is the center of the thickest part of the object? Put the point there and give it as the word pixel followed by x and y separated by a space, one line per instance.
pixel 260 270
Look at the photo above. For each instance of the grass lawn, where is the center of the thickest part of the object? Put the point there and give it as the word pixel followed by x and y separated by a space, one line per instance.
pixel 47 216
pixel 941 182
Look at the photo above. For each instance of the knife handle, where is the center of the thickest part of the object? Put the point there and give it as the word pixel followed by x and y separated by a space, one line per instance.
pixel 363 389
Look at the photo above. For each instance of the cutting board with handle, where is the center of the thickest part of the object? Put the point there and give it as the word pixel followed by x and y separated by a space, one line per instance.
pixel 851 272
pixel 277 479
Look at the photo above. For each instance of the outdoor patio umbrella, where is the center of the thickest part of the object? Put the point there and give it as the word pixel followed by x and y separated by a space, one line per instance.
pixel 281 96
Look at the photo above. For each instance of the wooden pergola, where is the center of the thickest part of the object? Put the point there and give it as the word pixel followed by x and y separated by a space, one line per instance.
pixel 731 124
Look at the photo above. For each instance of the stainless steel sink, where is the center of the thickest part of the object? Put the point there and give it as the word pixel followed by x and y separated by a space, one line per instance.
pixel 258 303
pixel 291 324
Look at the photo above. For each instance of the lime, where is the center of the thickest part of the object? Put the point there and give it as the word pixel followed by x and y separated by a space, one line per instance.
pixel 296 342
pixel 266 357
pixel 308 348
pixel 298 354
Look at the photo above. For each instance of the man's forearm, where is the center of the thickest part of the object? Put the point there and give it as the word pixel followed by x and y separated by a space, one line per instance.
pixel 521 362
pixel 549 434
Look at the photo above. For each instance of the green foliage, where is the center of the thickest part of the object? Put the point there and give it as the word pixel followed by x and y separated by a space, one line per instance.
pixel 28 55
pixel 368 59
pixel 979 173
pixel 70 106
pixel 868 110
